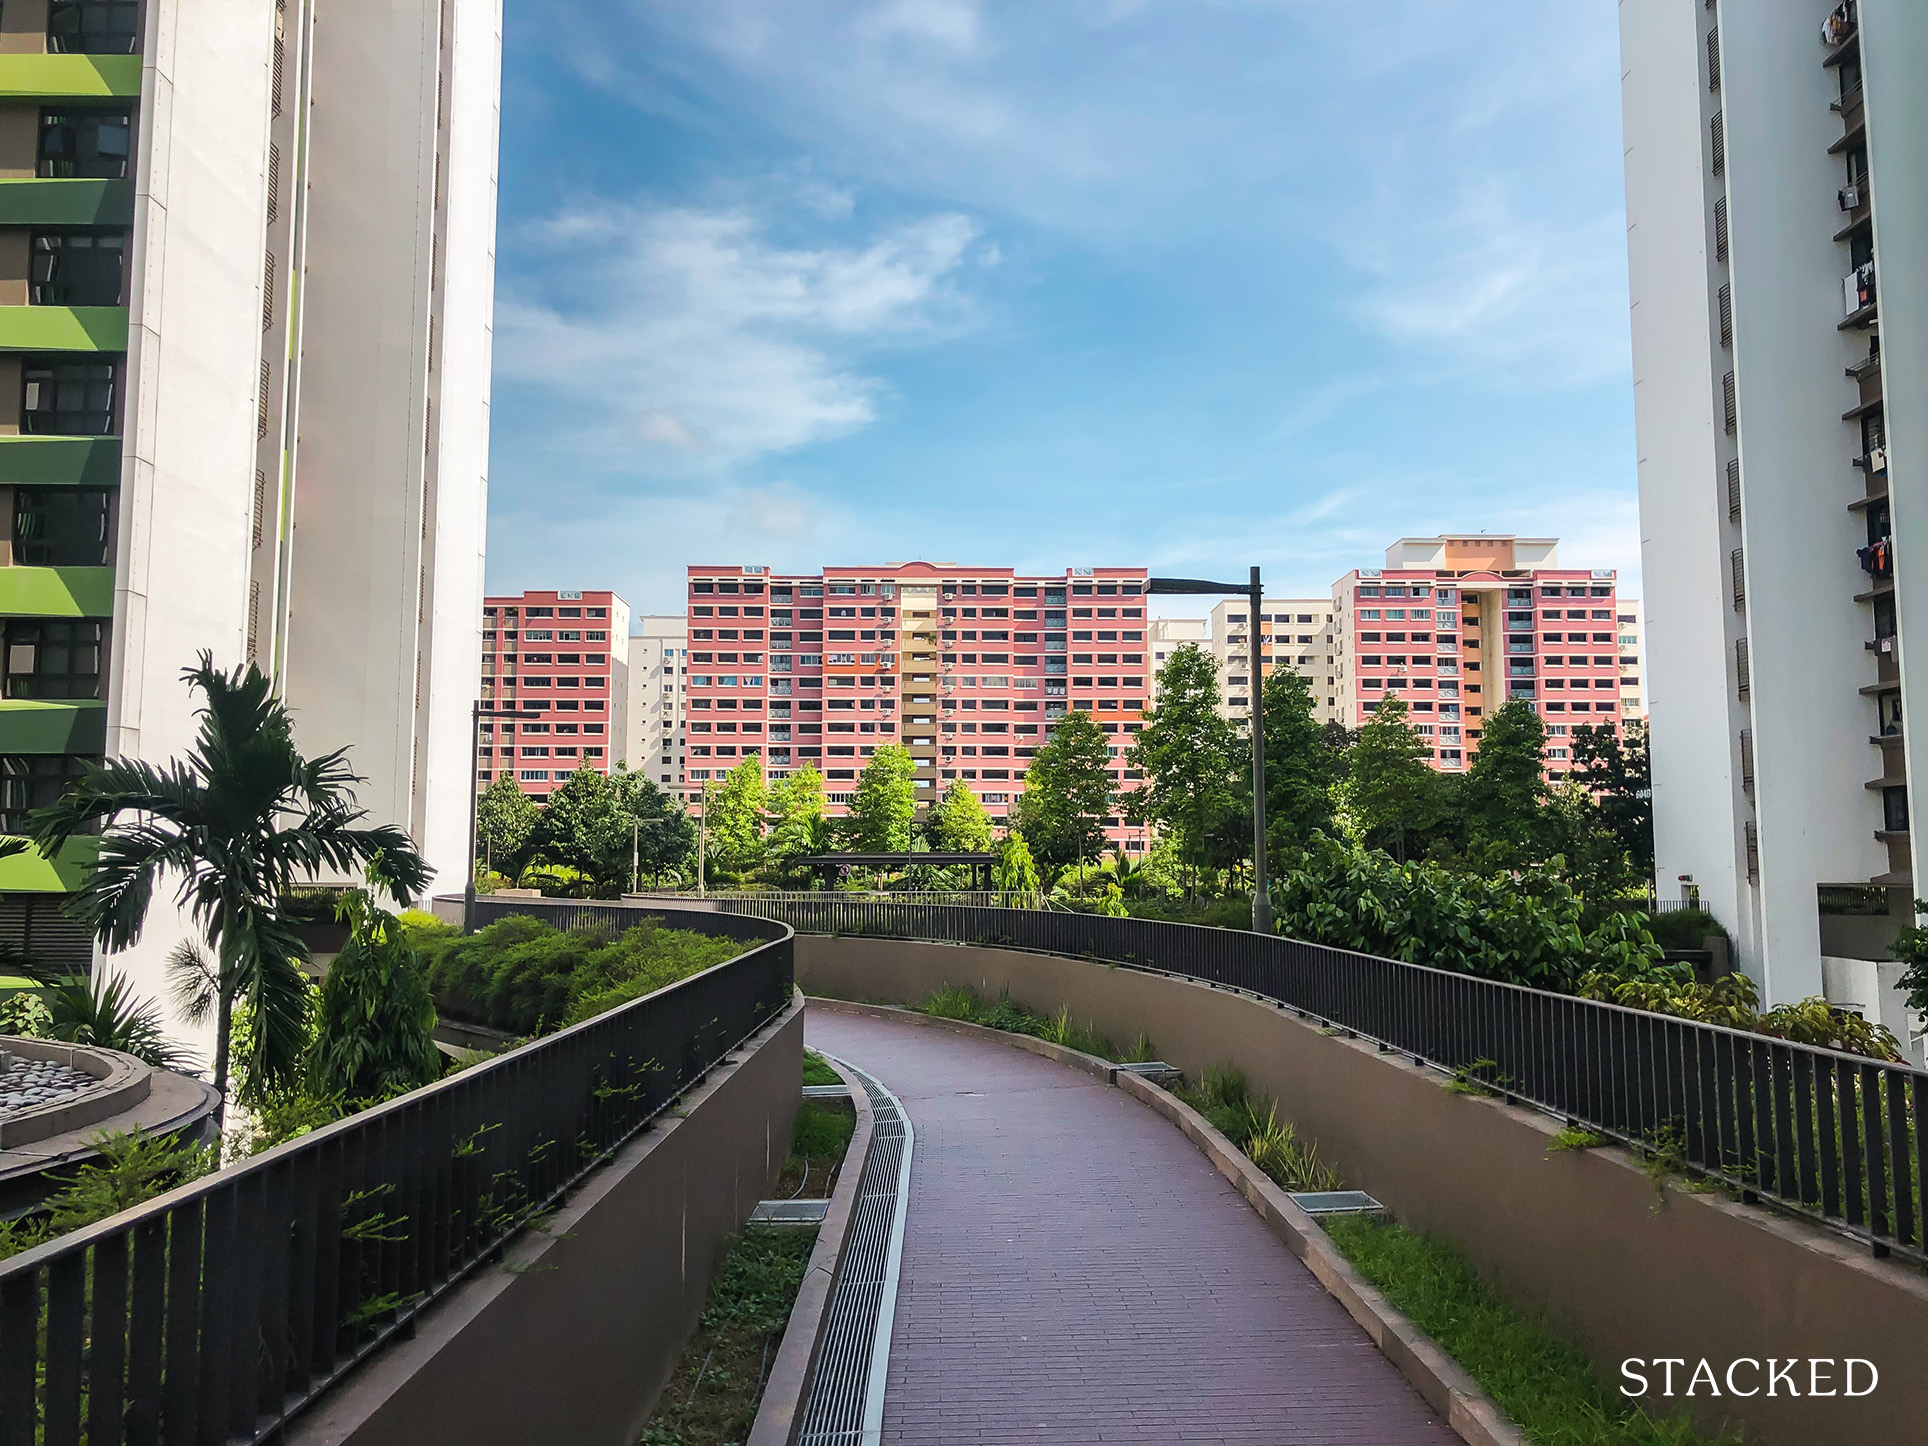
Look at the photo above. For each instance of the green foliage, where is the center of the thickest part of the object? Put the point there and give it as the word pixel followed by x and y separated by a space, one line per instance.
pixel 1067 793
pixel 234 825
pixel 521 976
pixel 1616 768
pixel 1504 795
pixel 955 1001
pixel 505 824
pixel 821 1131
pixel 1251 1122
pixel 285 1114
pixel 24 1014
pixel 1303 764
pixel 733 818
pixel 1574 1138
pixel 1683 928
pixel 375 1032
pixel 1191 757
pixel 796 815
pixel 1544 1385
pixel 957 822
pixel 1391 788
pixel 1911 948
pixel 129 1169
pixel 817 1070
pixel 593 823
pixel 105 1012
pixel 883 804
pixel 1015 873
pixel 1522 928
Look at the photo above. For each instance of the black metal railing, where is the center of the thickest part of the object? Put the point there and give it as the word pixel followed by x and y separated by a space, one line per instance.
pixel 1830 1135
pixel 218 1311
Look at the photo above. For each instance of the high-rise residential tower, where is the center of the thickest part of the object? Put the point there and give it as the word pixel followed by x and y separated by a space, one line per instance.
pixel 1294 632
pixel 965 667
pixel 658 693
pixel 555 687
pixel 246 281
pixel 1777 210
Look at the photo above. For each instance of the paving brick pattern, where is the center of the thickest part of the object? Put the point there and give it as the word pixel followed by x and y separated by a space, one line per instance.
pixel 1075 1271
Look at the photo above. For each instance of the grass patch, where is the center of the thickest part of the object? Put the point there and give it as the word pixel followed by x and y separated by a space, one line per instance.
pixel 713 1397
pixel 954 1001
pixel 1252 1122
pixel 1546 1386
pixel 818 1141
pixel 817 1070
pixel 1575 1138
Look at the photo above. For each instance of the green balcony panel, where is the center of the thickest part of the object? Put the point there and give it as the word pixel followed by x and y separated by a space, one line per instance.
pixel 56 592
pixel 59 461
pixel 33 725
pixel 70 77
pixel 37 201
pixel 63 328
pixel 34 873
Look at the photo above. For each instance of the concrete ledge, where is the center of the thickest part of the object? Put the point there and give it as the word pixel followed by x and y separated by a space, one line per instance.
pixel 1472 1414
pixel 121 1083
pixel 572 1334
pixel 783 1392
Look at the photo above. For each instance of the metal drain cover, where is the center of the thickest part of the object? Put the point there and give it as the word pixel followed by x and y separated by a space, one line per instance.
pixel 790 1212
pixel 826 1092
pixel 1155 1070
pixel 1336 1202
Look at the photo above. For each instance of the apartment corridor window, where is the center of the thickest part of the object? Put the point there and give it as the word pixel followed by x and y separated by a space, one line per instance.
pixel 94 27
pixel 79 268
pixel 68 398
pixel 92 144
pixel 49 658
pixel 61 526
pixel 30 781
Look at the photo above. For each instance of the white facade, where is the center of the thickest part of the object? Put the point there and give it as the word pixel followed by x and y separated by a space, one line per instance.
pixel 1779 412
pixel 1633 697
pixel 1295 631
pixel 305 423
pixel 1165 636
pixel 657 699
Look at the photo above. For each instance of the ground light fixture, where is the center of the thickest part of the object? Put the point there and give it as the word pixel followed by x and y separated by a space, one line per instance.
pixel 1261 891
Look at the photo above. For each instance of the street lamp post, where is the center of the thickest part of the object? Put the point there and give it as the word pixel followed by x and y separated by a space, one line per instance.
pixel 1261 887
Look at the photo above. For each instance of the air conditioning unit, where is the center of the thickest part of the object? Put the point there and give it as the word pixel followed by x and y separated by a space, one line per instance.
pixel 1850 197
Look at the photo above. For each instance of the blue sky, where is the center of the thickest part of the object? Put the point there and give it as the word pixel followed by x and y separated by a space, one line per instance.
pixel 1184 283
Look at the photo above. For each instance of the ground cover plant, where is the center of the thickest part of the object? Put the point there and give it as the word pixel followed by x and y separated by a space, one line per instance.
pixel 817 1070
pixel 818 1141
pixel 955 1001
pixel 1545 1386
pixel 713 1397
pixel 524 977
pixel 1252 1122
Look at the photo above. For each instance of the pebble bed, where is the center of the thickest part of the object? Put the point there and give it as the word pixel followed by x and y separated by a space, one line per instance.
pixel 25 1083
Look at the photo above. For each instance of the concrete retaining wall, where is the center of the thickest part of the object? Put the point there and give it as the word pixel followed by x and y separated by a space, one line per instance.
pixel 1619 1268
pixel 571 1337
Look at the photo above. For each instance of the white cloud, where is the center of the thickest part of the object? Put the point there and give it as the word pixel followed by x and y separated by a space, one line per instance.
pixel 689 331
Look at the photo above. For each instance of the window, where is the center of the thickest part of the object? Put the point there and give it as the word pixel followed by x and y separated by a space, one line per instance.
pixel 84 143
pixel 78 268
pixel 93 27
pixel 47 658
pixel 30 781
pixel 68 397
pixel 61 526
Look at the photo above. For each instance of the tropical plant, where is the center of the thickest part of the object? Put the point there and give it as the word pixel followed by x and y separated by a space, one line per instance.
pixel 104 1012
pixel 796 815
pixel 1067 793
pixel 1015 871
pixel 733 817
pixel 958 821
pixel 375 1027
pixel 1504 794
pixel 1303 764
pixel 24 1015
pixel 1190 756
pixel 1391 788
pixel 234 825
pixel 505 825
pixel 884 803
pixel 1616 768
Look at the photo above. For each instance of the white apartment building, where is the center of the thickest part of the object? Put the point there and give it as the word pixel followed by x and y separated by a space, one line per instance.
pixel 247 267
pixel 1777 208
pixel 658 698
pixel 1165 636
pixel 1632 694
pixel 1295 631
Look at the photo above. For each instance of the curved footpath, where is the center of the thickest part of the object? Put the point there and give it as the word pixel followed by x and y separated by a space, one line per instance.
pixel 1075 1271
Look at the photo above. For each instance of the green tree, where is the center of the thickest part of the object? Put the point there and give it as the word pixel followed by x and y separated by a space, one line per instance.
pixel 1067 793
pixel 1504 796
pixel 884 804
pixel 1190 756
pixel 505 824
pixel 1016 872
pixel 375 1025
pixel 735 817
pixel 235 823
pixel 649 825
pixel 1391 787
pixel 574 829
pixel 1302 767
pixel 796 815
pixel 958 822
pixel 1618 772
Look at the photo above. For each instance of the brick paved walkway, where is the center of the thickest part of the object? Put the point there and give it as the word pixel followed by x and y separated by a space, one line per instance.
pixel 1076 1271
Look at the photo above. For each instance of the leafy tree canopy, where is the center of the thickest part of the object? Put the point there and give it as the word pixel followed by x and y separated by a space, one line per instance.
pixel 734 815
pixel 1505 792
pixel 1391 787
pixel 1067 793
pixel 883 804
pixel 506 819
pixel 1191 756
pixel 796 815
pixel 1302 764
pixel 958 822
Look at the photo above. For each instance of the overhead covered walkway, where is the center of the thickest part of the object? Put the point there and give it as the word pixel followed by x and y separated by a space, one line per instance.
pixel 1074 1270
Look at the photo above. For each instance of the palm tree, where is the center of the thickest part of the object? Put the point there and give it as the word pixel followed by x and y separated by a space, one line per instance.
pixel 236 822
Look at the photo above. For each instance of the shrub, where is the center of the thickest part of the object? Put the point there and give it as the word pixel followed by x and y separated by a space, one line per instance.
pixel 1225 1099
pixel 1683 928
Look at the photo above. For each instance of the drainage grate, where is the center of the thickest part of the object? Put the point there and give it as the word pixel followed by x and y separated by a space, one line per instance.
pixel 1155 1070
pixel 826 1092
pixel 1336 1202
pixel 789 1212
pixel 845 1406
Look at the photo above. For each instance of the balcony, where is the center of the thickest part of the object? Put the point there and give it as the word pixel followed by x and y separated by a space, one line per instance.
pixel 1858 297
pixel 70 77
pixel 1877 559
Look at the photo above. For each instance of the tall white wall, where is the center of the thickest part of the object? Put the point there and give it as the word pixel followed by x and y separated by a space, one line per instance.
pixel 1693 714
pixel 189 419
